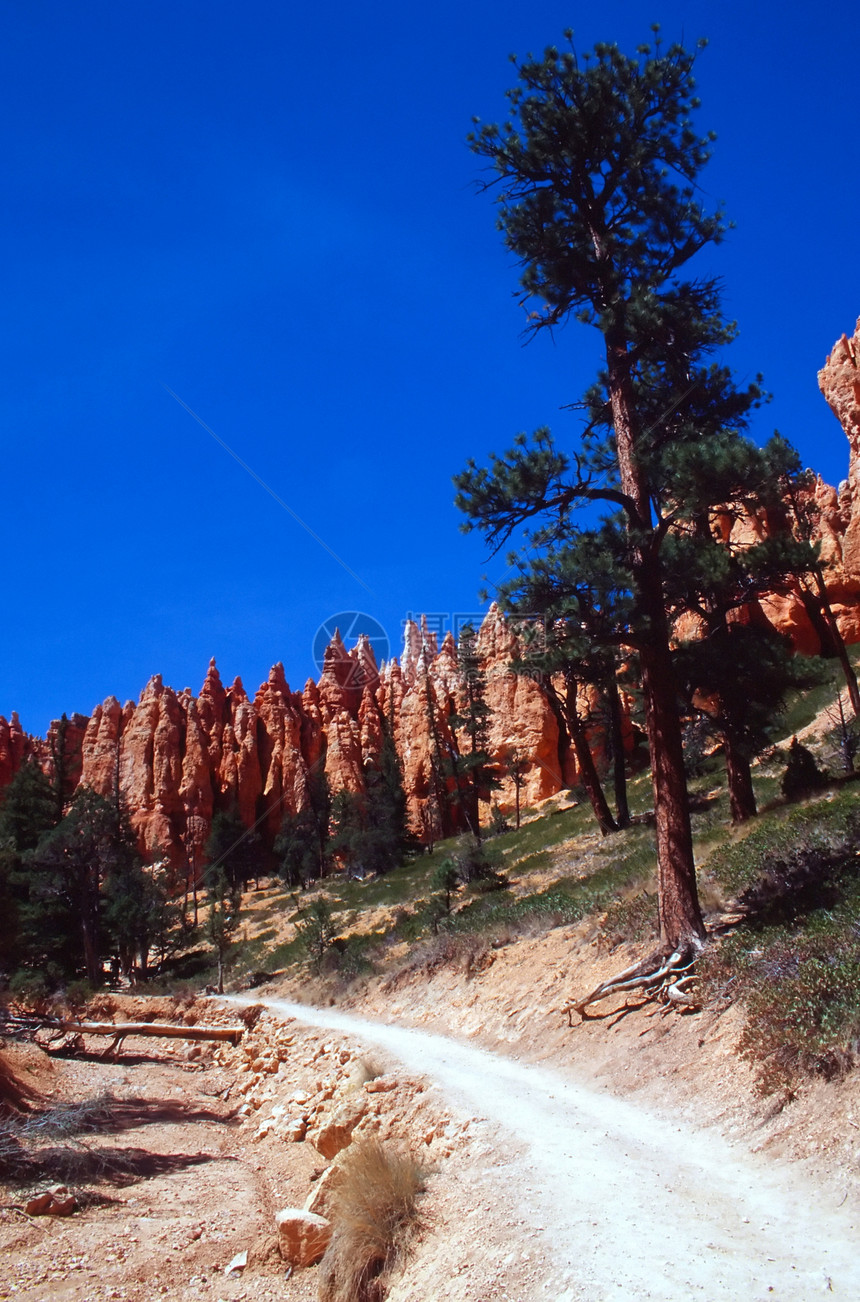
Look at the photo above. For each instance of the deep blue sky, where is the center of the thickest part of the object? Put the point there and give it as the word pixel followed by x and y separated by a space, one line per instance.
pixel 270 208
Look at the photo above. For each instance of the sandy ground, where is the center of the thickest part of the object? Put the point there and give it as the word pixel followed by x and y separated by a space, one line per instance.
pixel 630 1204
pixel 626 1157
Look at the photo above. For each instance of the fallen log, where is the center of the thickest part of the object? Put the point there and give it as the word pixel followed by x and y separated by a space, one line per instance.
pixel 119 1030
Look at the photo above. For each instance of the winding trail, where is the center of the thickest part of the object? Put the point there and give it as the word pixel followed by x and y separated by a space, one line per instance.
pixel 644 1208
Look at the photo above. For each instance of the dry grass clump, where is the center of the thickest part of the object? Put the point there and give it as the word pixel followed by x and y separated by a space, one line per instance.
pixel 375 1213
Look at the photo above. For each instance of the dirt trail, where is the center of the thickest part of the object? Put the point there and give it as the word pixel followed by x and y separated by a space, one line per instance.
pixel 642 1207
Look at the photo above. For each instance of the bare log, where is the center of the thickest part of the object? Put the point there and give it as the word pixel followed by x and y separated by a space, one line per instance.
pixel 119 1030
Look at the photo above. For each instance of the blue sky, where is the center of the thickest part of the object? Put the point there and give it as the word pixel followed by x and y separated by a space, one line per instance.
pixel 271 210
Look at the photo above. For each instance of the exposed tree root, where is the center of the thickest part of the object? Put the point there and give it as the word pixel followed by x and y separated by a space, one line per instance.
pixel 658 977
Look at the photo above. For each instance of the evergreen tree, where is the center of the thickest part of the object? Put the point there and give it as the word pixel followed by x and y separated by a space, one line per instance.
pixel 316 931
pixel 27 812
pixel 234 847
pixel 438 813
pixel 385 805
pixel 224 897
pixel 368 831
pixel 443 884
pixel 134 904
pixel 301 846
pixel 580 591
pixel 516 766
pixel 27 808
pixel 802 775
pixel 738 678
pixel 598 195
pixel 347 828
pixel 473 775
pixel 62 921
pixel 63 779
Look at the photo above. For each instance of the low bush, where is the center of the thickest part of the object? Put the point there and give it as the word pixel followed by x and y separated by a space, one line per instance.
pixel 799 991
pixel 795 961
pixel 802 775
pixel 374 1213
pixel 829 826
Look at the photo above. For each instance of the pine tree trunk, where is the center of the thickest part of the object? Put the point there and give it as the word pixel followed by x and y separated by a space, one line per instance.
pixel 838 641
pixel 681 925
pixel 622 808
pixel 90 924
pixel 742 800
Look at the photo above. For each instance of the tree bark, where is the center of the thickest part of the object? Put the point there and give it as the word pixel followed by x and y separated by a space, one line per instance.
pixel 681 925
pixel 588 774
pixel 742 800
pixel 622 808
pixel 232 1034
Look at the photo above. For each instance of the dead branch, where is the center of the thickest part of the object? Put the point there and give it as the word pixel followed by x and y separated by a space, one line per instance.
pixel 661 982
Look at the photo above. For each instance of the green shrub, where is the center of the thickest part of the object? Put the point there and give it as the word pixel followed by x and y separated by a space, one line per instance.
pixel 795 962
pixel 802 775
pixel 633 919
pixel 316 931
pixel 799 991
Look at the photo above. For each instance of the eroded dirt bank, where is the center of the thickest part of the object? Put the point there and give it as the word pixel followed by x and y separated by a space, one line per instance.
pixel 621 1202
pixel 623 1158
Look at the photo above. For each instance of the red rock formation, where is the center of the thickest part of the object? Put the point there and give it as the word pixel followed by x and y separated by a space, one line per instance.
pixel 15 747
pixel 839 381
pixel 522 722
pixel 100 769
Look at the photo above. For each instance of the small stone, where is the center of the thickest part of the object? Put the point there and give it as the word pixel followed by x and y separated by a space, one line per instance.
pixel 238 1263
pixel 302 1236
pixel 381 1085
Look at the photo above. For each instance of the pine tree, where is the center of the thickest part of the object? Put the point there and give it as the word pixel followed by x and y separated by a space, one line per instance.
pixel 385 806
pixel 301 846
pixel 579 593
pixel 224 896
pixel 471 766
pixel 368 830
pixel 63 919
pixel 598 197
pixel 134 904
pixel 234 847
pixel 737 679
pixel 27 812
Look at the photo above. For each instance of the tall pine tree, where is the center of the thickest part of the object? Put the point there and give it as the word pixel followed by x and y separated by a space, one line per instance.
pixel 597 186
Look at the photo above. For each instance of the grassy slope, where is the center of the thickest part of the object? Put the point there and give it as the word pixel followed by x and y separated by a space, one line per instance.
pixel 556 870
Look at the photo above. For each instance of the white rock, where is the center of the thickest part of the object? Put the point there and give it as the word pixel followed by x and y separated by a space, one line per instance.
pixel 238 1263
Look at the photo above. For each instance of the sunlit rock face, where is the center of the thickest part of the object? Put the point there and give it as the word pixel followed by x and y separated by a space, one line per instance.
pixel 177 758
pixel 839 381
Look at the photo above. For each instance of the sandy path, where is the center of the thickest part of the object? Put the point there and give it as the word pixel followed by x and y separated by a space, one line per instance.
pixel 645 1208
